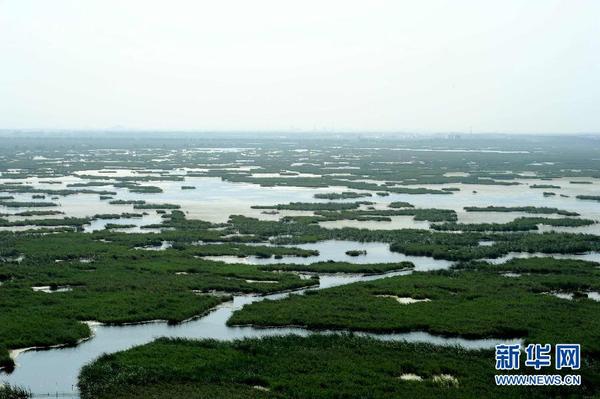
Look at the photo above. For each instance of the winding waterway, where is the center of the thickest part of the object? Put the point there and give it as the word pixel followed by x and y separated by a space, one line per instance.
pixel 54 371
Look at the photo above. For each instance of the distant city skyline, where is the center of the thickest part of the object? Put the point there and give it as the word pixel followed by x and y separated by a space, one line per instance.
pixel 290 67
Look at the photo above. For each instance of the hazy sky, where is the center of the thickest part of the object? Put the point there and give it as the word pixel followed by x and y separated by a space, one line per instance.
pixel 419 65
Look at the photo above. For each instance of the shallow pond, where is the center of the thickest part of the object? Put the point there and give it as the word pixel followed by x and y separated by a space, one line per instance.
pixel 396 223
pixel 214 199
pixel 377 252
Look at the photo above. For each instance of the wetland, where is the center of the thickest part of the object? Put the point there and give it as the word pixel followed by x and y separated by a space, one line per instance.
pixel 381 265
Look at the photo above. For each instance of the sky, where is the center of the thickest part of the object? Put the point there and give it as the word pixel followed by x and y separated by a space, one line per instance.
pixel 509 66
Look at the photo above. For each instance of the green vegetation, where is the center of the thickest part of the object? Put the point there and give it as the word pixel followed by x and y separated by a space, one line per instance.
pixel 133 179
pixel 115 277
pixel 144 189
pixel 325 182
pixel 314 206
pixel 120 285
pixel 519 224
pixel 21 204
pixel 339 366
pixel 544 186
pixel 109 226
pixel 6 362
pixel 125 215
pixel 68 221
pixel 400 204
pixel 526 209
pixel 137 188
pixel 33 213
pixel 439 245
pixel 240 250
pixel 432 215
pixel 127 202
pixel 355 252
pixel 476 301
pixel 466 245
pixel 342 195
pixel 156 206
pixel 91 184
pixel 589 197
pixel 340 267
pixel 21 188
pixel 14 392
pixel 75 222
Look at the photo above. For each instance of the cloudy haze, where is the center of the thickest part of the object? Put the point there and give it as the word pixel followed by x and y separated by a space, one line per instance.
pixel 424 66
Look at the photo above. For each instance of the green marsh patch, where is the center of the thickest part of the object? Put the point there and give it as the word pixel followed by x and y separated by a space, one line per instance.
pixel 476 301
pixel 311 367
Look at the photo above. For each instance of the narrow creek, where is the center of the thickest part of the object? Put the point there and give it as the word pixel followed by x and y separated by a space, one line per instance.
pixel 53 372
